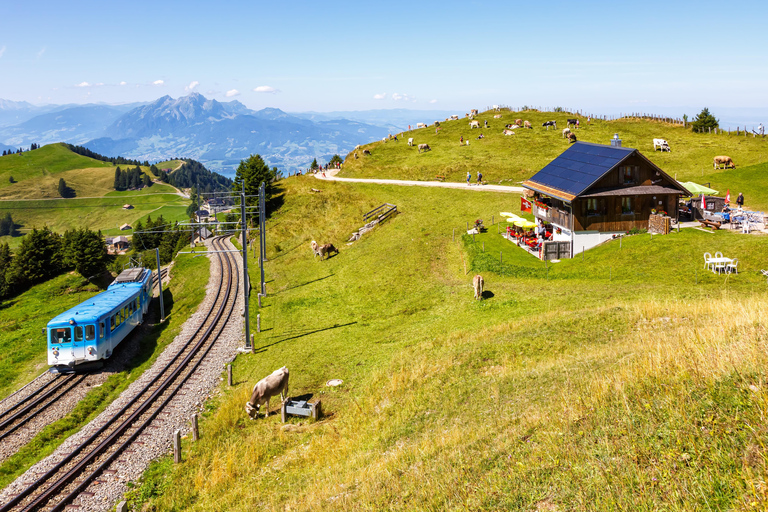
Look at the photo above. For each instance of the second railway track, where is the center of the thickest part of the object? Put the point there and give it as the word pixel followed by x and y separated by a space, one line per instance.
pixel 85 464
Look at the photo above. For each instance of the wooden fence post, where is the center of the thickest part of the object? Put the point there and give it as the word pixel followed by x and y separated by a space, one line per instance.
pixel 229 375
pixel 122 507
pixel 195 430
pixel 177 446
pixel 258 323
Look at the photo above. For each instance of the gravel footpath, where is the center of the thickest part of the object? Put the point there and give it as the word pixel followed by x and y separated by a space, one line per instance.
pixel 156 440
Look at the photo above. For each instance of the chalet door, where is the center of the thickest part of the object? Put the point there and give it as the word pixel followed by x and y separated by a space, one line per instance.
pixel 556 250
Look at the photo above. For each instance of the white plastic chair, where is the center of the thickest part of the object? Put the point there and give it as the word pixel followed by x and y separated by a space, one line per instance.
pixel 707 256
pixel 732 266
pixel 718 254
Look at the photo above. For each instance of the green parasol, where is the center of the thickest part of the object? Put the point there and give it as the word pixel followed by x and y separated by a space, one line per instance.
pixel 695 188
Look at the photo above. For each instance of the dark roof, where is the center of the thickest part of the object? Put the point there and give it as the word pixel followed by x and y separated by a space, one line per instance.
pixel 583 164
pixel 578 167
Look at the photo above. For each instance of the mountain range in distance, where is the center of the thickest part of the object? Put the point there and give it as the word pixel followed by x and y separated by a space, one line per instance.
pixel 218 134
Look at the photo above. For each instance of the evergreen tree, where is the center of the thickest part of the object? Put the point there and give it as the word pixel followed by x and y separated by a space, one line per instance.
pixel 7 226
pixel 253 172
pixel 154 170
pixel 137 240
pixel 11 180
pixel 6 258
pixel 335 159
pixel 4 152
pixel 704 121
pixel 117 178
pixel 314 164
pixel 62 187
pixel 38 258
pixel 145 180
pixel 86 251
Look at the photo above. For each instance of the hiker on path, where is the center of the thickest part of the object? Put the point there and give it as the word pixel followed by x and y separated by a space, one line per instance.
pixel 469 177
pixel 740 200
pixel 479 178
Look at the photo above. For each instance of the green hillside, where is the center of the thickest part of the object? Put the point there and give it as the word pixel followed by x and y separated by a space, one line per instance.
pixel 517 157
pixel 629 378
pixel 33 199
pixel 41 163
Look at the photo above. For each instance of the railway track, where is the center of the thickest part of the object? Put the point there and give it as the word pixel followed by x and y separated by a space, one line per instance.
pixel 163 274
pixel 37 402
pixel 42 395
pixel 67 479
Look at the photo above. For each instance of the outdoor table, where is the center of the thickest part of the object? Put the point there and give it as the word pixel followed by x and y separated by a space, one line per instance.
pixel 716 261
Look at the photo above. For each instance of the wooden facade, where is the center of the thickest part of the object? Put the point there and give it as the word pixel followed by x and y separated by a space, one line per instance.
pixel 622 198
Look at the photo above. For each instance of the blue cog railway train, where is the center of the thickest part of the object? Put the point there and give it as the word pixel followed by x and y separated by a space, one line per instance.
pixel 83 336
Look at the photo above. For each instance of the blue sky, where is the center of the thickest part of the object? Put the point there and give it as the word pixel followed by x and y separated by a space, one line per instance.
pixel 605 57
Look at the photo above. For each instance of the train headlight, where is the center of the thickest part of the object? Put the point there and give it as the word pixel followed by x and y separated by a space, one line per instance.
pixel 55 352
pixel 91 350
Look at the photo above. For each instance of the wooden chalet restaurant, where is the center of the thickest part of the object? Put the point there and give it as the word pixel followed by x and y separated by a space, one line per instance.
pixel 594 192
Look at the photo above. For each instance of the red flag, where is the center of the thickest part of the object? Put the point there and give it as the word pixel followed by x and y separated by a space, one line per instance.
pixel 728 197
pixel 703 202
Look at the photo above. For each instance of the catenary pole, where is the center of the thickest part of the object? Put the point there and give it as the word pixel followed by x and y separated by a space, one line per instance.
pixel 246 290
pixel 262 236
pixel 160 285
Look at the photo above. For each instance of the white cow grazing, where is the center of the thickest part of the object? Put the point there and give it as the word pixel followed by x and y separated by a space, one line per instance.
pixel 424 147
pixel 477 284
pixel 566 131
pixel 474 124
pixel 454 117
pixel 508 132
pixel 660 144
pixel 421 125
pixel 271 385
pixel 527 124
pixel 497 116
pixel 357 147
pixel 410 141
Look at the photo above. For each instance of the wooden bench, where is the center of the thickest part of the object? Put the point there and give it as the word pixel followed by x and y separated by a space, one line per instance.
pixel 440 177
pixel 709 224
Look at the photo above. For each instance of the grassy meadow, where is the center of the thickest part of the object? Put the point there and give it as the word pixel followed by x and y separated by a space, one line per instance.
pixel 24 349
pixel 517 157
pixel 33 199
pixel 628 379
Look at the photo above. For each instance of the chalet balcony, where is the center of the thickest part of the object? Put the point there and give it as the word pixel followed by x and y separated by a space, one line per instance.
pixel 551 215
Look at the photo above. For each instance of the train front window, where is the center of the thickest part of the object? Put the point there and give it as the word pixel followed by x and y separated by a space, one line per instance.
pixel 90 332
pixel 61 335
pixel 78 333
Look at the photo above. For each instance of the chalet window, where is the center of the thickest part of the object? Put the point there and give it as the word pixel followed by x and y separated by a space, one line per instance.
pixel 594 207
pixel 627 206
pixel 629 174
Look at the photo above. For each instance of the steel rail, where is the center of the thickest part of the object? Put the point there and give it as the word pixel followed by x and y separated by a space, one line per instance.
pixel 53 489
pixel 139 430
pixel 25 400
pixel 57 392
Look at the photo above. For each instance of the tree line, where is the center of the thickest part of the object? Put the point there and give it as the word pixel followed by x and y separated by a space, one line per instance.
pixel 44 254
pixel 158 234
pixel 20 150
pixel 118 160
pixel 131 179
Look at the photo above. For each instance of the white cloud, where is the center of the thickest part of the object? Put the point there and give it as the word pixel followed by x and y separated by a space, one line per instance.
pixel 83 84
pixel 396 96
pixel 233 92
pixel 158 82
pixel 98 84
pixel 192 85
pixel 380 96
pixel 2 51
pixel 41 52
pixel 123 83
pixel 433 101
pixel 265 88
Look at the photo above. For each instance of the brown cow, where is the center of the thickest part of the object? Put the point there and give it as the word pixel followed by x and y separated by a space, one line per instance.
pixel 527 124
pixel 424 147
pixel 477 284
pixel 571 137
pixel 724 160
pixel 323 250
pixel 519 122
pixel 271 385
pixel 366 152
